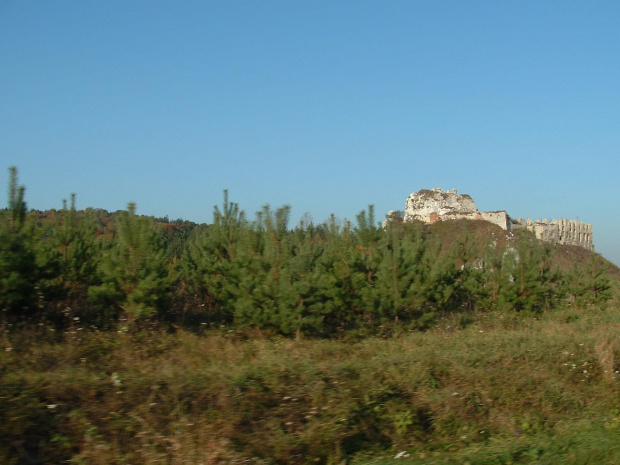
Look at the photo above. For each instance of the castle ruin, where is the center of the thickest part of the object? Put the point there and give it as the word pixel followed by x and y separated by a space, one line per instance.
pixel 436 204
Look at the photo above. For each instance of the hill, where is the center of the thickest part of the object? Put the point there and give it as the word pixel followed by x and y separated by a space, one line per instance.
pixel 479 234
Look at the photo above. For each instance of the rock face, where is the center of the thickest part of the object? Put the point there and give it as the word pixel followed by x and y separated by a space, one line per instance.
pixel 431 205
pixel 436 204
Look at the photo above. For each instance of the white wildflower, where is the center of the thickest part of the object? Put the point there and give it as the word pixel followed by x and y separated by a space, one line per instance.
pixel 116 380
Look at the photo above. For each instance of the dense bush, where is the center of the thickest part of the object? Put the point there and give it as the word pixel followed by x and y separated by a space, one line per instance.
pixel 318 280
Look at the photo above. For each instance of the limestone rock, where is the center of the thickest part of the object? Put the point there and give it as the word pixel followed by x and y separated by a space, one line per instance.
pixel 429 205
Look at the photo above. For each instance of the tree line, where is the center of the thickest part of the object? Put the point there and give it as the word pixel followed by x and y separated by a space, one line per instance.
pixel 311 279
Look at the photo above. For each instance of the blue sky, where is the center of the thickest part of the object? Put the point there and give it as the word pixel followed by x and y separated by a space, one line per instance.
pixel 327 106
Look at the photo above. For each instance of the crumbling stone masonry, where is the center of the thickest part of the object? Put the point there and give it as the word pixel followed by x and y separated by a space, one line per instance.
pixel 560 231
pixel 436 204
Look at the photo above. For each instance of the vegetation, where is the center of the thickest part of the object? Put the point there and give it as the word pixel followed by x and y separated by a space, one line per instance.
pixel 129 339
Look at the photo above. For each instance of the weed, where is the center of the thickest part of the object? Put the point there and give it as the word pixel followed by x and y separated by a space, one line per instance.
pixel 528 391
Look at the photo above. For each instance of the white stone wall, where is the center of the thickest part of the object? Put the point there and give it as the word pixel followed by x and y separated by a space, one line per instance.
pixel 499 218
pixel 562 231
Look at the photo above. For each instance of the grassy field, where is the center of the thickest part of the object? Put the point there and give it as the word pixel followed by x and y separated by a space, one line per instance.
pixel 488 388
pixel 456 342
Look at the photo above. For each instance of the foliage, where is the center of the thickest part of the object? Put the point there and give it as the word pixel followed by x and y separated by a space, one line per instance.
pixel 134 272
pixel 589 284
pixel 532 285
pixel 214 259
pixel 18 267
pixel 330 279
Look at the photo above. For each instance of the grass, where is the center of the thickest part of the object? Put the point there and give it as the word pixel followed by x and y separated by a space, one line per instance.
pixel 502 389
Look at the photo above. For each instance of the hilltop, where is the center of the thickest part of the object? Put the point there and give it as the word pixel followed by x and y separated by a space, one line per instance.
pixel 431 206
pixel 478 234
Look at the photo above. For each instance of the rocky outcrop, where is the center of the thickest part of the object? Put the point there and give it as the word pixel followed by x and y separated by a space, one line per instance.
pixel 436 204
pixel 431 205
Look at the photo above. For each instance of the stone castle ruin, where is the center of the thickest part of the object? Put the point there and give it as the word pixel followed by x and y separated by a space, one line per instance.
pixel 436 204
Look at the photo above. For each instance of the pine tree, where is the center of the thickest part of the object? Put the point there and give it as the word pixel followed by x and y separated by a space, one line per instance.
pixel 532 284
pixel 17 205
pixel 404 284
pixel 134 272
pixel 66 255
pixel 261 279
pixel 301 295
pixel 363 261
pixel 487 276
pixel 333 276
pixel 215 261
pixel 18 268
pixel 589 284
pixel 468 274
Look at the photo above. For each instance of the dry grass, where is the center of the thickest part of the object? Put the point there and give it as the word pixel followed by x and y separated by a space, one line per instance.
pixel 218 398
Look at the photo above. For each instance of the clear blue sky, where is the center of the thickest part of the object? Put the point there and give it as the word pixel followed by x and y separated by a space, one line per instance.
pixel 327 106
